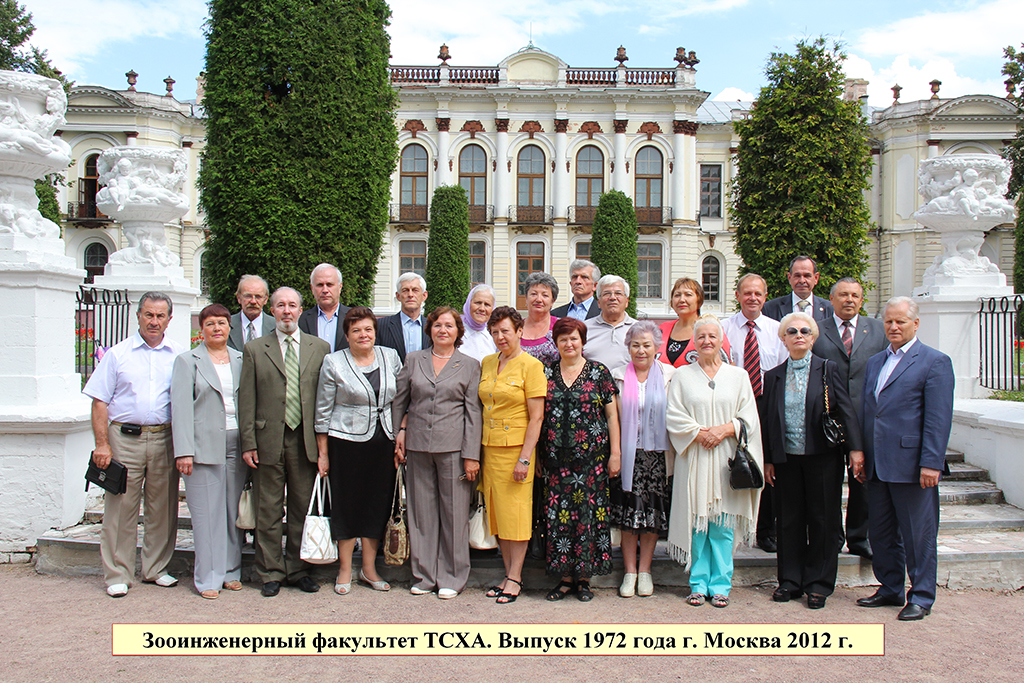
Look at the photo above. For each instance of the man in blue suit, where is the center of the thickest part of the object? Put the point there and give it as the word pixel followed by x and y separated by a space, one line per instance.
pixel 907 415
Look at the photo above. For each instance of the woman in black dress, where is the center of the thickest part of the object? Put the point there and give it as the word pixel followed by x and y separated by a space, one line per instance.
pixel 355 443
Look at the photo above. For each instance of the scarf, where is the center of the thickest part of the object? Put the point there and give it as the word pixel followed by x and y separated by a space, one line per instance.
pixel 467 317
pixel 655 437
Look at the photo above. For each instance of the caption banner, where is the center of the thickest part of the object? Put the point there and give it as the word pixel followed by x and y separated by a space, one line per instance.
pixel 498 639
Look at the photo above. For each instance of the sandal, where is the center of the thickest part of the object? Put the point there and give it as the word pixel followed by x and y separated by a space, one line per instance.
pixel 495 591
pixel 505 598
pixel 583 592
pixel 719 601
pixel 557 593
pixel 696 599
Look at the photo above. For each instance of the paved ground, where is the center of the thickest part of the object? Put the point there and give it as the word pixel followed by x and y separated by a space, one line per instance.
pixel 58 629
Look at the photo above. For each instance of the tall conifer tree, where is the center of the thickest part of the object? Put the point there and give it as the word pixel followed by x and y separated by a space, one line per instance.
pixel 301 141
pixel 803 167
pixel 448 248
pixel 613 240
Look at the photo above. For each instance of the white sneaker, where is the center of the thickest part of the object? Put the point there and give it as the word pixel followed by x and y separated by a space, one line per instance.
pixel 628 587
pixel 117 590
pixel 644 584
pixel 166 581
pixel 447 593
pixel 416 590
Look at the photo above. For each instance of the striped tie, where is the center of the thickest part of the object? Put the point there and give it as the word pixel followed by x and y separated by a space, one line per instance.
pixel 250 332
pixel 292 406
pixel 752 359
pixel 847 338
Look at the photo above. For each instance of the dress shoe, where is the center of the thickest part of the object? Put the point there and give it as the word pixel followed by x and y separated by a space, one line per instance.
pixel 768 544
pixel 862 550
pixel 815 601
pixel 644 584
pixel 880 600
pixel 446 593
pixel 781 594
pixel 306 585
pixel 271 588
pixel 117 590
pixel 628 587
pixel 165 581
pixel 913 612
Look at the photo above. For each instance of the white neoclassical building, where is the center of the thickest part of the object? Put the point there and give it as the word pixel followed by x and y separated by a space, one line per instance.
pixel 535 142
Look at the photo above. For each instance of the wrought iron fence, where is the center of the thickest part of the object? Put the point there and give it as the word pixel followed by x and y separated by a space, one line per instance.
pixel 100 322
pixel 1002 342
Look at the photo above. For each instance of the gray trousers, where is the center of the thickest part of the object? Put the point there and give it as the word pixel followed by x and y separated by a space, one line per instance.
pixel 212 492
pixel 152 479
pixel 438 520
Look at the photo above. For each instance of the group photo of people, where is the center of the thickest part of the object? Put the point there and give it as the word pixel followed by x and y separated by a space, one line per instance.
pixel 571 428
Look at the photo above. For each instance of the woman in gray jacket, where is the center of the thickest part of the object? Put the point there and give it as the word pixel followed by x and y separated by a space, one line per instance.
pixel 355 443
pixel 204 394
pixel 438 412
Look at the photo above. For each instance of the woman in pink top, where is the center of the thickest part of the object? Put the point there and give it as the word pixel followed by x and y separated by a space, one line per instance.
pixel 677 347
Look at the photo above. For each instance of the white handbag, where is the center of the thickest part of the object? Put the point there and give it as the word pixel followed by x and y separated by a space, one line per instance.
pixel 246 508
pixel 317 545
pixel 480 536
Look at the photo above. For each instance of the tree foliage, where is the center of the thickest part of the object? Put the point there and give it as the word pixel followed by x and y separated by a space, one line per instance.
pixel 301 141
pixel 613 240
pixel 1013 69
pixel 803 166
pixel 448 248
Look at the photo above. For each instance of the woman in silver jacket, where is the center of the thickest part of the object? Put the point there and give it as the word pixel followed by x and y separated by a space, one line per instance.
pixel 355 443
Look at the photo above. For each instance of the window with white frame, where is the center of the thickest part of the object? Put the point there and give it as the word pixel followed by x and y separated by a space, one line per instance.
pixel 477 262
pixel 711 273
pixel 711 190
pixel 648 270
pixel 412 257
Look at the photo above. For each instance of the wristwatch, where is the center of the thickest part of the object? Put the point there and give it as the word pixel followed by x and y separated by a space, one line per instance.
pixel 525 463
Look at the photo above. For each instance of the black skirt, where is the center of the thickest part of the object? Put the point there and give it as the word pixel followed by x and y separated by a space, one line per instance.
pixel 362 485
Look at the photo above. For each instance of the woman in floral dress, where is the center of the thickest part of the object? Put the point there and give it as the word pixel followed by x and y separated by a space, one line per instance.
pixel 581 452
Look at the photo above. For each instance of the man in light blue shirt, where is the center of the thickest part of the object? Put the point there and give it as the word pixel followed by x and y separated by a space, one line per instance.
pixel 325 319
pixel 406 331
pixel 583 277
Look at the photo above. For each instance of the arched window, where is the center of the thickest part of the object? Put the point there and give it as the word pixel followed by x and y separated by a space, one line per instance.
pixel 94 260
pixel 413 202
pixel 473 179
pixel 648 186
pixel 589 183
pixel 88 186
pixel 530 185
pixel 711 272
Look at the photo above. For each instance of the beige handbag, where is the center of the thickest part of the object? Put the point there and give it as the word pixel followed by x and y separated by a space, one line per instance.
pixel 246 508
pixel 480 536
pixel 396 535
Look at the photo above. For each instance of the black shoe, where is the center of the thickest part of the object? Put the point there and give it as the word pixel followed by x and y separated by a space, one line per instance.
pixel 880 600
pixel 768 544
pixel 913 612
pixel 862 550
pixel 271 588
pixel 583 592
pixel 557 593
pixel 785 595
pixel 307 585
pixel 815 601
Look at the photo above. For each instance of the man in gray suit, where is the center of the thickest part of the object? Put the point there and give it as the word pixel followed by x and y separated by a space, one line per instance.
pixel 276 405
pixel 850 339
pixel 325 319
pixel 250 322
pixel 803 277
pixel 583 277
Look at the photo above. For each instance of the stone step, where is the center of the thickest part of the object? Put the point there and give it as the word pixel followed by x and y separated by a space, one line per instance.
pixel 961 471
pixel 954 456
pixel 968 558
pixel 961 492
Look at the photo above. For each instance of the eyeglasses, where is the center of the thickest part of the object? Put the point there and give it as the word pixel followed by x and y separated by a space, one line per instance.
pixel 613 295
pixel 792 331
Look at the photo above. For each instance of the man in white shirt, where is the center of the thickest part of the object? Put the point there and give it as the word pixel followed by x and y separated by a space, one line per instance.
pixel 583 277
pixel 250 322
pixel 803 277
pixel 755 346
pixel 325 319
pixel 131 422
pixel 606 334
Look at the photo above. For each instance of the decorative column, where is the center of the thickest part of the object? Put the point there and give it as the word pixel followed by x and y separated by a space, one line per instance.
pixel 685 174
pixel 144 191
pixel 443 175
pixel 620 180
pixel 562 182
pixel 502 172
pixel 45 435
pixel 965 196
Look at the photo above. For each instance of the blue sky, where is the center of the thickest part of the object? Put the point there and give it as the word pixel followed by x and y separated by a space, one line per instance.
pixel 909 42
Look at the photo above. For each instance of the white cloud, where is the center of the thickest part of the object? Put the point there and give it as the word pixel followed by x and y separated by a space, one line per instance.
pixel 76 31
pixel 915 79
pixel 731 94
pixel 981 30
pixel 687 9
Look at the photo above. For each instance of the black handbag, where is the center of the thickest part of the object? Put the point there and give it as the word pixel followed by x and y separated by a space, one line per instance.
pixel 743 470
pixel 835 433
pixel 113 479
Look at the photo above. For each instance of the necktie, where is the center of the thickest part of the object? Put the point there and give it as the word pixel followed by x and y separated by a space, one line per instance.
pixel 250 333
pixel 292 406
pixel 847 337
pixel 803 305
pixel 752 359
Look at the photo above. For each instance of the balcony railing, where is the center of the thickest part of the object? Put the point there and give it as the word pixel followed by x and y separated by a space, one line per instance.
pixel 481 213
pixel 590 77
pixel 409 213
pixel 653 215
pixel 582 215
pixel 415 74
pixel 86 211
pixel 651 77
pixel 530 214
pixel 473 75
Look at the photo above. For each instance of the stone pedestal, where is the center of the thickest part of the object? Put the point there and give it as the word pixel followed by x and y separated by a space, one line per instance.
pixel 144 192
pixel 45 435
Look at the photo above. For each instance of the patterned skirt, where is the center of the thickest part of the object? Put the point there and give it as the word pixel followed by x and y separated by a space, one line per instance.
pixel 646 508
pixel 578 540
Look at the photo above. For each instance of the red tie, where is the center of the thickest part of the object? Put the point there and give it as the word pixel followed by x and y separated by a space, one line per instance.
pixel 847 338
pixel 752 359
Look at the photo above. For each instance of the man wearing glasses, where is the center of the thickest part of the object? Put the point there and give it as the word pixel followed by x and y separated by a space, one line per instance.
pixel 606 334
pixel 250 322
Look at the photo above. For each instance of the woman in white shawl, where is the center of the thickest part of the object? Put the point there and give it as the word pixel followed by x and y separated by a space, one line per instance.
pixel 707 401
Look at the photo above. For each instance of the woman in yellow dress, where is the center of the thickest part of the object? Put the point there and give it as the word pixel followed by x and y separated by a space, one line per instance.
pixel 512 391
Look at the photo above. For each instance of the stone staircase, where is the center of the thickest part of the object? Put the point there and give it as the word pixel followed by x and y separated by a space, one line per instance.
pixel 981 544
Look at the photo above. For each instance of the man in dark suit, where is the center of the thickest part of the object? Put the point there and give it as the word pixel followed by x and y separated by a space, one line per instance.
pixel 583 277
pixel 849 340
pixel 803 277
pixel 250 322
pixel 406 331
pixel 907 416
pixel 276 406
pixel 325 321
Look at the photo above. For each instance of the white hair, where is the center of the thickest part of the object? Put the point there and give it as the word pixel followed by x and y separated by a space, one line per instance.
pixel 912 308
pixel 408 277
pixel 708 319
pixel 325 266
pixel 608 280
pixel 787 320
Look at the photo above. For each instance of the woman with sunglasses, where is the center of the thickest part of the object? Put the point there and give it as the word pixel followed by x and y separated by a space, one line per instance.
pixel 805 469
